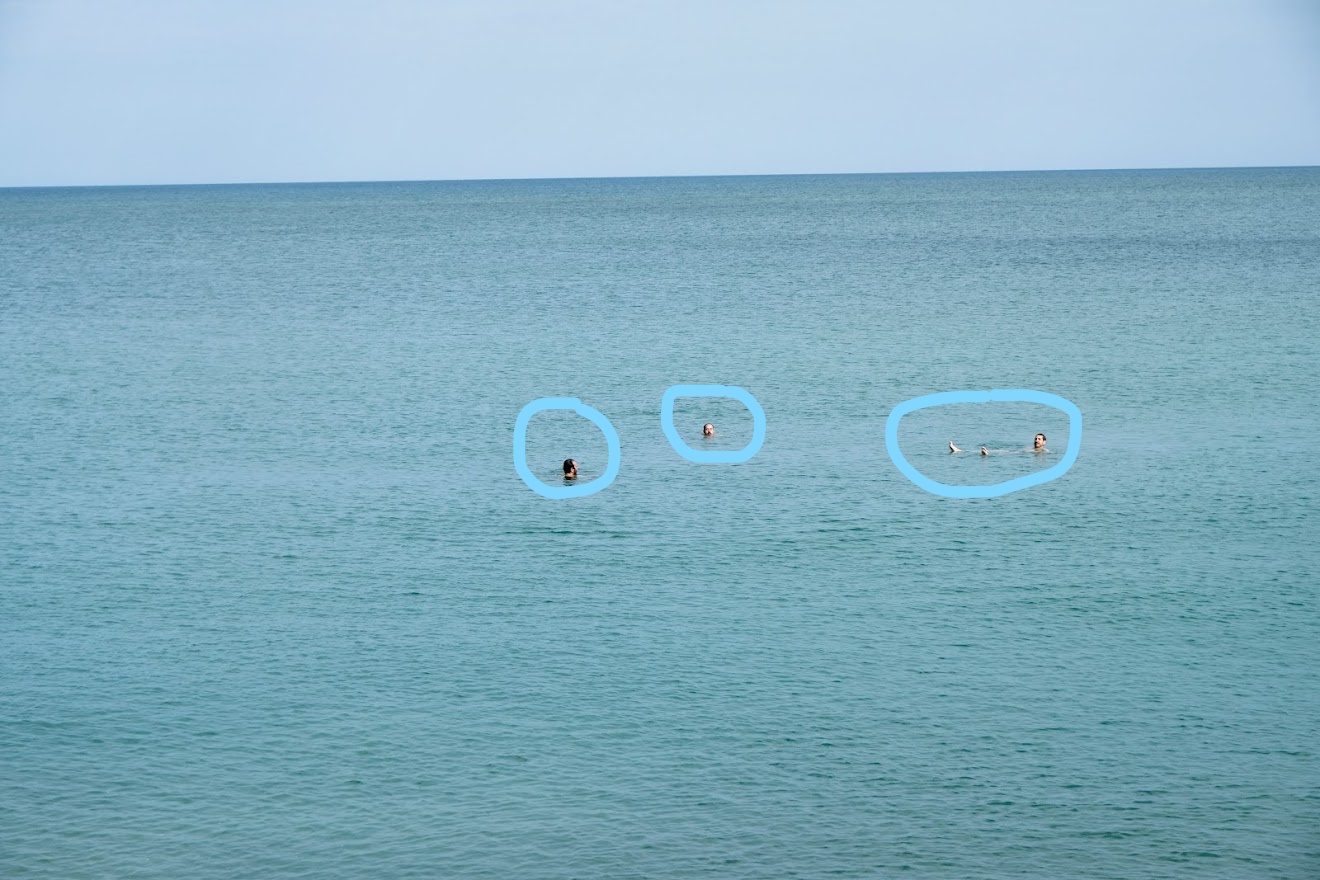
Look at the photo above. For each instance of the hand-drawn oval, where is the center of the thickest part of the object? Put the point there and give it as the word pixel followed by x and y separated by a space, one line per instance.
pixel 727 456
pixel 541 404
pixel 993 491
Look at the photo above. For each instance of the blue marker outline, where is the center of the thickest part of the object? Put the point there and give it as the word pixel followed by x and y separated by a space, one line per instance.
pixel 541 404
pixel 706 456
pixel 993 491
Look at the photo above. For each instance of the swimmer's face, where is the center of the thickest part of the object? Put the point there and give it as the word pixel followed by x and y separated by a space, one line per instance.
pixel 1040 441
pixel 707 429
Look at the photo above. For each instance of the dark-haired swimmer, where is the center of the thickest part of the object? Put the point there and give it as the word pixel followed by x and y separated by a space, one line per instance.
pixel 708 430
pixel 1038 445
pixel 570 469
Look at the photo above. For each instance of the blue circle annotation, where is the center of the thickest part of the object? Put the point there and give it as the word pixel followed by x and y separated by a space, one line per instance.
pixel 995 490
pixel 542 404
pixel 708 456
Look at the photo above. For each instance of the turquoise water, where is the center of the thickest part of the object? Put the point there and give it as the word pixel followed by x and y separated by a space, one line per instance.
pixel 275 602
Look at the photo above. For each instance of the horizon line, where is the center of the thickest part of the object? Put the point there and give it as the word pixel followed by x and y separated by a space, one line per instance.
pixel 354 182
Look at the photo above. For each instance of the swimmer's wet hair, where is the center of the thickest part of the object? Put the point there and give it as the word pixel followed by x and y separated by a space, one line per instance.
pixel 569 464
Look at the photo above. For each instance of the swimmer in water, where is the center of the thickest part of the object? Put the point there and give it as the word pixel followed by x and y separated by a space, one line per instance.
pixel 570 469
pixel 1039 444
pixel 708 430
pixel 953 448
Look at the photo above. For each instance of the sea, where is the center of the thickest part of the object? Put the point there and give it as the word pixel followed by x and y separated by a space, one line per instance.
pixel 276 602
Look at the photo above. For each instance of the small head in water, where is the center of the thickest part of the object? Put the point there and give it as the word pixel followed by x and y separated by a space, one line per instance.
pixel 708 430
pixel 1040 442
pixel 570 469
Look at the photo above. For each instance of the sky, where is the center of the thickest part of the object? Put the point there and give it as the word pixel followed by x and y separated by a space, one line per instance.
pixel 229 91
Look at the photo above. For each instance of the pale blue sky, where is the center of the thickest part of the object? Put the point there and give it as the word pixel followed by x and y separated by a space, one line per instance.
pixel 194 91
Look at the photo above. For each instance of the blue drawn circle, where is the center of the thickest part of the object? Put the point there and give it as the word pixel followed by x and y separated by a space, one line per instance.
pixel 704 455
pixel 993 491
pixel 542 404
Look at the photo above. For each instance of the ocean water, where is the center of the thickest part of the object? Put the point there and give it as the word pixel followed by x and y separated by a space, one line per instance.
pixel 275 603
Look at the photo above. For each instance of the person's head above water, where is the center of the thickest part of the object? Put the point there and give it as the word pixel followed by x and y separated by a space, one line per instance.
pixel 1039 442
pixel 708 430
pixel 570 469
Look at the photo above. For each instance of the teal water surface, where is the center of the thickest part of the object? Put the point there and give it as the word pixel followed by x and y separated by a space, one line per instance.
pixel 276 604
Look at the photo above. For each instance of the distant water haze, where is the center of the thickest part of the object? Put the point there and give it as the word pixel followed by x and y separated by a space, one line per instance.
pixel 147 91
